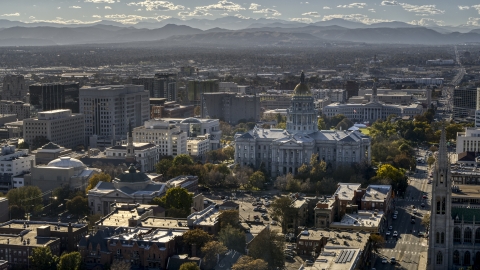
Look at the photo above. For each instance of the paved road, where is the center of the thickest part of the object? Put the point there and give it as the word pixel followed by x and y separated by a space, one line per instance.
pixel 408 248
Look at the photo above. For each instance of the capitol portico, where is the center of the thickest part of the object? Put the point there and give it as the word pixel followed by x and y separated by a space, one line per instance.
pixel 284 151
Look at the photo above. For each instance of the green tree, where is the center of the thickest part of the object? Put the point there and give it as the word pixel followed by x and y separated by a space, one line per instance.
pixel 430 161
pixel 78 206
pixel 196 237
pixel 281 208
pixel 182 159
pixel 189 266
pixel 248 263
pixel 163 166
pixel 43 259
pixel 377 241
pixel 232 238
pixel 268 246
pixel 395 177
pixel 426 221
pixel 28 198
pixel 211 250
pixel 97 178
pixel 229 218
pixel 70 261
pixel 257 179
pixel 176 199
pixel 16 212
pixel 321 124
pixel 23 145
pixel 229 152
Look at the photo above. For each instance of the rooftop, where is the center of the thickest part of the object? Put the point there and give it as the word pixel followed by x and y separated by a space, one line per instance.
pixel 346 191
pixel 166 223
pixel 466 191
pixel 207 217
pixel 377 193
pixel 337 258
pixel 366 220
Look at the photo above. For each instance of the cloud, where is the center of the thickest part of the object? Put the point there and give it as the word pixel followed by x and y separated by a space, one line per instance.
pixel 74 7
pixel 353 5
pixel 372 10
pixel 223 5
pixel 303 20
pixel 157 5
pixel 108 7
pixel 463 7
pixel 313 14
pixel 133 19
pixel 268 12
pixel 194 13
pixel 473 21
pixel 326 7
pixel 31 17
pixel 10 15
pixel 240 16
pixel 254 6
pixel 100 1
pixel 354 17
pixel 427 22
pixel 389 3
pixel 477 7
pixel 425 10
pixel 60 20
pixel 96 16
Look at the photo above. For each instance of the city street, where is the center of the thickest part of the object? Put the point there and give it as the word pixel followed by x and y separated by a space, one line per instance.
pixel 409 249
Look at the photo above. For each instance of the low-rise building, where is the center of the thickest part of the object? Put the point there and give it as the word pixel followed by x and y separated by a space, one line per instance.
pixel 195 127
pixel 14 163
pixel 146 154
pixel 130 187
pixel 198 146
pixel 377 198
pixel 207 219
pixel 142 247
pixel 64 171
pixel 188 182
pixel 49 152
pixel 129 215
pixel 338 258
pixel 20 109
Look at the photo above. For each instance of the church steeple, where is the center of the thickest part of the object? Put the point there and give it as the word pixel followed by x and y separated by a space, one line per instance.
pixel 130 156
pixel 374 91
pixel 442 157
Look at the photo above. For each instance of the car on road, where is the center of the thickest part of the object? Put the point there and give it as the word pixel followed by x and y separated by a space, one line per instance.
pixel 384 260
pixel 425 196
pixel 70 216
pixel 308 262
pixel 395 234
pixel 395 213
pixel 413 221
pixel 422 205
pixel 414 211
pixel 394 216
pixel 267 204
pixel 387 233
pixel 273 222
pixel 393 260
pixel 421 233
pixel 390 227
pixel 254 204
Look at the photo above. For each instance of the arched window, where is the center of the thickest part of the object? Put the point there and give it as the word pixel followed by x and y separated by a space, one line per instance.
pixel 456 257
pixel 438 206
pixel 442 239
pixel 437 238
pixel 477 236
pixel 466 258
pixel 457 234
pixel 439 258
pixel 467 235
pixel 443 206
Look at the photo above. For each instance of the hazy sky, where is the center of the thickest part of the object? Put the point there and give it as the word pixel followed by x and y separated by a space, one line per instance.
pixel 442 12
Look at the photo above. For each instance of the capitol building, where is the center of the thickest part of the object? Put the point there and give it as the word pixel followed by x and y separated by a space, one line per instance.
pixel 284 151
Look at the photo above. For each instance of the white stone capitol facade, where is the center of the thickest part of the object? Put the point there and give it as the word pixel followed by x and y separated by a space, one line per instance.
pixel 284 151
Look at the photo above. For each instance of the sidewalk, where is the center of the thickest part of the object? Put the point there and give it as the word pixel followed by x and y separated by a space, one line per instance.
pixel 422 264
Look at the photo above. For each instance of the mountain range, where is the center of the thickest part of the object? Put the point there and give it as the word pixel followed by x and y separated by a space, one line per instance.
pixel 251 32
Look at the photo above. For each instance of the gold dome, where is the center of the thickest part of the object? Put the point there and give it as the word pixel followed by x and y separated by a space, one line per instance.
pixel 302 88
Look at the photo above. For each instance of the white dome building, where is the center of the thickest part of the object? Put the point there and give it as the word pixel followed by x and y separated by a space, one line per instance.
pixel 61 172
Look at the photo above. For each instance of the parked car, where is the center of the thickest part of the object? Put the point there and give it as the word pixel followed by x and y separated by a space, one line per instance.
pixel 421 233
pixel 422 205
pixel 384 260
pixel 393 260
pixel 394 216
pixel 390 227
pixel 387 233
pixel 395 234
pixel 308 262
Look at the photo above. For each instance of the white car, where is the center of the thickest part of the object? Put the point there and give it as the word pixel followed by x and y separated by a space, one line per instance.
pixel 390 227
pixel 384 260
pixel 387 233
pixel 395 213
pixel 395 234
pixel 394 216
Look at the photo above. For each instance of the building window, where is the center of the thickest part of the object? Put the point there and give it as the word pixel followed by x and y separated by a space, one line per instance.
pixel 467 235
pixel 456 235
pixel 439 258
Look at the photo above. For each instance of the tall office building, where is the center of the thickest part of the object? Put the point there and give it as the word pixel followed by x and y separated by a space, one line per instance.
pixel 352 88
pixel 54 96
pixel 195 89
pixel 230 107
pixel 110 109
pixel 162 85
pixel 58 126
pixel 477 109
pixel 14 88
pixel 464 101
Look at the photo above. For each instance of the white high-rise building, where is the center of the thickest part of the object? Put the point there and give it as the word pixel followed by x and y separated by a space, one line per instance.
pixel 168 137
pixel 109 110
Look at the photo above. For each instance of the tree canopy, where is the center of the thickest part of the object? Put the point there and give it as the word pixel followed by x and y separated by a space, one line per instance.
pixel 28 198
pixel 177 200
pixel 70 261
pixel 97 178
pixel 78 206
pixel 43 259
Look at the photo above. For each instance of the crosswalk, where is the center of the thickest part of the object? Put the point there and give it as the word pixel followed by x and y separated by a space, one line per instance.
pixel 406 243
pixel 393 251
pixel 410 200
